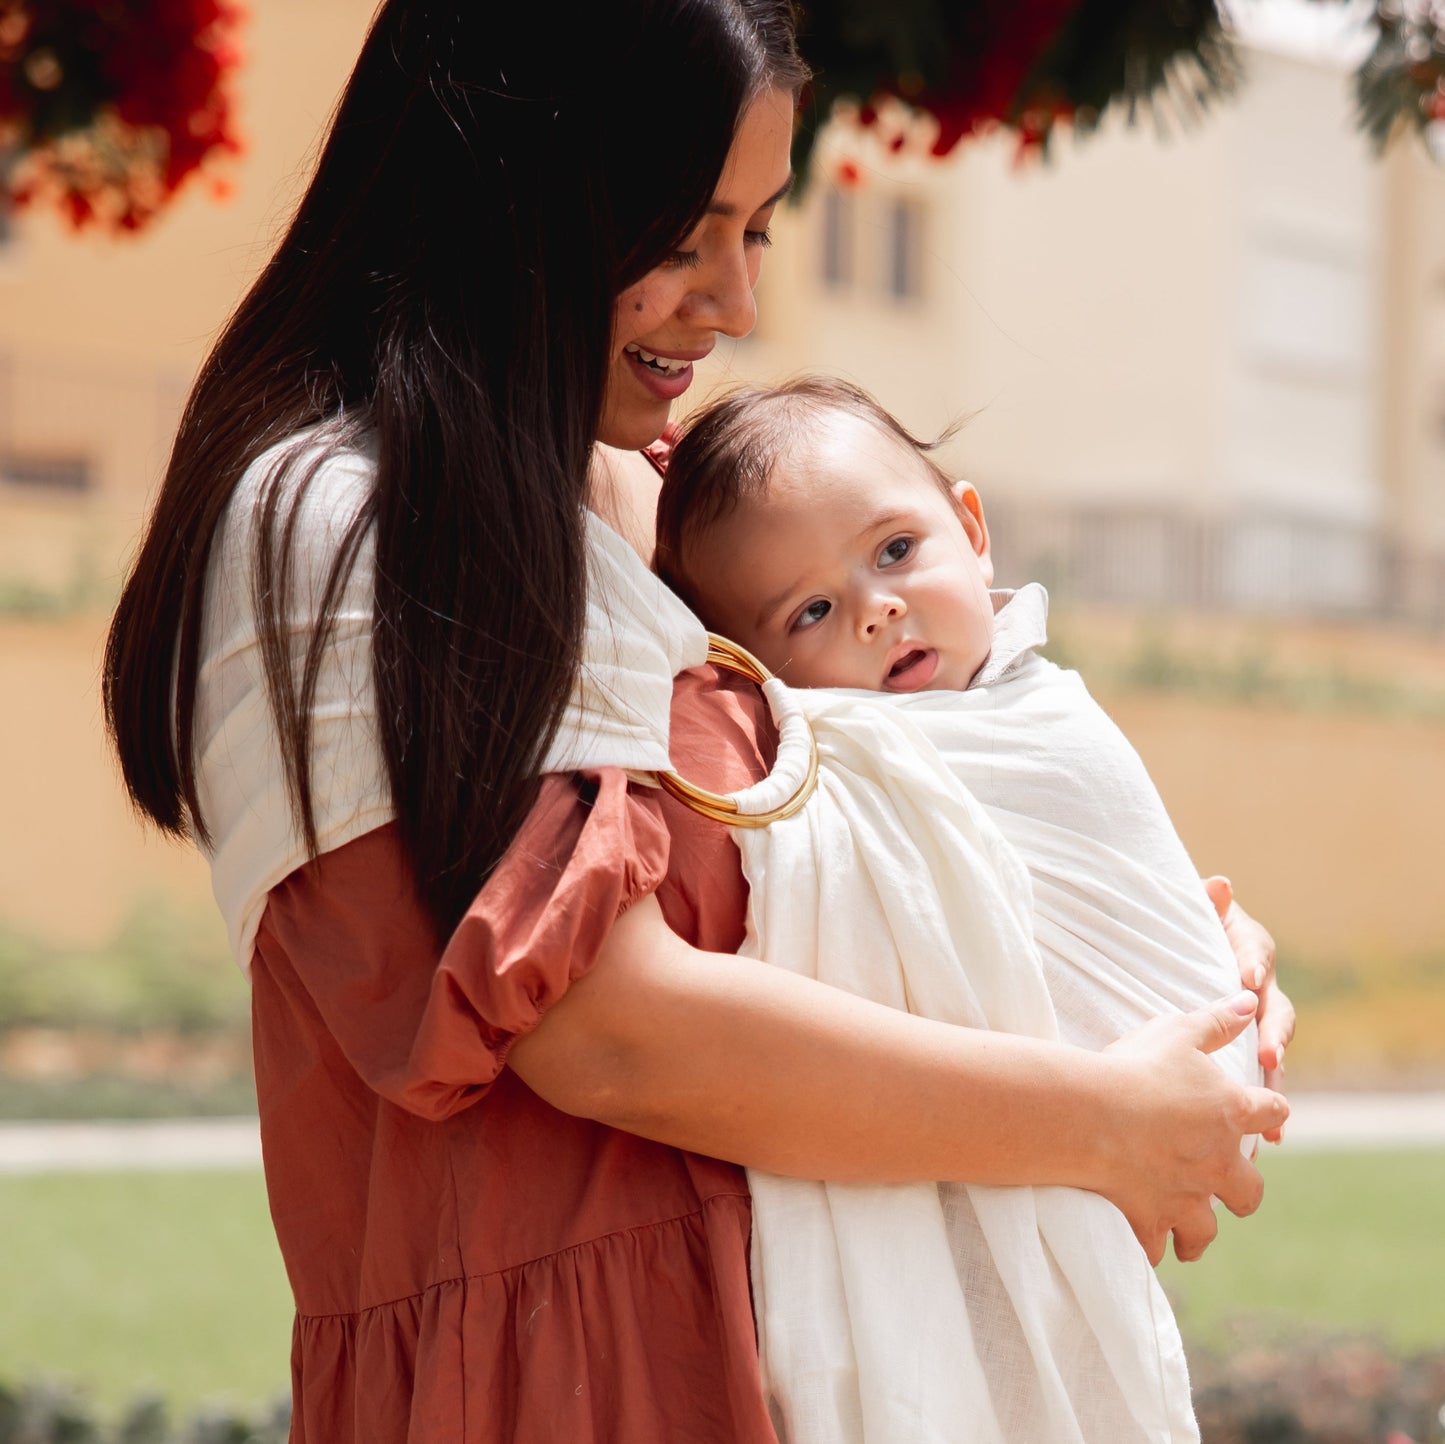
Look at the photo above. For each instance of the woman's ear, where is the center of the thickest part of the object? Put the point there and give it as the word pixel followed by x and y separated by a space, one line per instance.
pixel 970 513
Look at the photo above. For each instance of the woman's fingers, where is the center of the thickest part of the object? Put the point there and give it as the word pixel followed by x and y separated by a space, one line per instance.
pixel 1242 1189
pixel 1209 1029
pixel 1252 944
pixel 1193 1121
pixel 1254 952
pixel 1276 1029
pixel 1194 1234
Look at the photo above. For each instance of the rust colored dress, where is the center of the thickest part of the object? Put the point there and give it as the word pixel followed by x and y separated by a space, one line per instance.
pixel 471 1266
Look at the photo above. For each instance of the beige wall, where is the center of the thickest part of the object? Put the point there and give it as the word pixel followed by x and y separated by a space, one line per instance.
pixel 1086 311
pixel 1329 825
pixel 1244 317
pixel 100 336
pixel 98 340
pixel 1414 343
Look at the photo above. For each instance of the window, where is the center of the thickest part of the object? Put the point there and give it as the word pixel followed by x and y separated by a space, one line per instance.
pixel 46 473
pixel 903 279
pixel 838 232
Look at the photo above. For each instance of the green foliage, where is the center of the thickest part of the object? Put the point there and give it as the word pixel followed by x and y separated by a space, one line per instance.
pixel 1401 85
pixel 1248 672
pixel 153 974
pixel 44 1413
pixel 87 590
pixel 1330 1390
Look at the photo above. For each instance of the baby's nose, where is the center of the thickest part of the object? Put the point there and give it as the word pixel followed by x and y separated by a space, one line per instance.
pixel 880 611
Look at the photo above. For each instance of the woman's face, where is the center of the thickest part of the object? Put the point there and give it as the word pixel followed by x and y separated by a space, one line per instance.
pixel 672 316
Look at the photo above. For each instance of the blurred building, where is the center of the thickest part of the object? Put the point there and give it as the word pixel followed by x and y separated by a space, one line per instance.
pixel 1199 370
pixel 1203 371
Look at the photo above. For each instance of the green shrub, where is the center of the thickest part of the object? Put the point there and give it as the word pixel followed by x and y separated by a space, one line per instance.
pixel 152 975
pixel 45 1413
pixel 1320 1391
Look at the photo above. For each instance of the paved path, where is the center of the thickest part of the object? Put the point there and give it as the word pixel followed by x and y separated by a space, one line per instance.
pixel 172 1143
pixel 1318 1120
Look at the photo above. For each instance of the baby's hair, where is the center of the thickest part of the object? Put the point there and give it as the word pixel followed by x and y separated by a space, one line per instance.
pixel 727 453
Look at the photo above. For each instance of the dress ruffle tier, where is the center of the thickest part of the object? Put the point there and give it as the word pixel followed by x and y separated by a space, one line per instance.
pixel 471 1265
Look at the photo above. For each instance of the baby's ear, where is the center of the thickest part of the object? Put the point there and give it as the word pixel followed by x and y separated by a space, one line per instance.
pixel 970 512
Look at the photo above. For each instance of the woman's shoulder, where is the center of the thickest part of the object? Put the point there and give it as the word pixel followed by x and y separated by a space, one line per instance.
pixel 328 471
pixel 303 495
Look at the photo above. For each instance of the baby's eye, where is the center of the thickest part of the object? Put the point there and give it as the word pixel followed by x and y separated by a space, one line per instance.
pixel 896 551
pixel 811 615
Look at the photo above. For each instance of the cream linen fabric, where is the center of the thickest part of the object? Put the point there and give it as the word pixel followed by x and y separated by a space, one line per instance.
pixel 242 785
pixel 638 637
pixel 951 833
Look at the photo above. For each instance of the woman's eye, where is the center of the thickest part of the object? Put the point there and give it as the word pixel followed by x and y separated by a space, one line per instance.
pixel 896 551
pixel 758 238
pixel 811 615
pixel 683 260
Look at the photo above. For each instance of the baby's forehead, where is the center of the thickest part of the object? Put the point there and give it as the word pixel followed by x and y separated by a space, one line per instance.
pixel 821 448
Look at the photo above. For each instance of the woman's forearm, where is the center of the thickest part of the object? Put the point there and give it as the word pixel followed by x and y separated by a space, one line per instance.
pixel 733 1058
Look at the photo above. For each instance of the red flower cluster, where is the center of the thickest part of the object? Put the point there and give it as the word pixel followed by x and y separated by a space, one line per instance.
pixel 989 82
pixel 108 106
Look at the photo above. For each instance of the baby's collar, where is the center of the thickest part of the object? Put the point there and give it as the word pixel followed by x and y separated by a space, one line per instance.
pixel 1020 626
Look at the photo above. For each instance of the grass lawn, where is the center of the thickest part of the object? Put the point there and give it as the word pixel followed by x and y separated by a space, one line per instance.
pixel 1344 1242
pixel 170 1282
pixel 132 1283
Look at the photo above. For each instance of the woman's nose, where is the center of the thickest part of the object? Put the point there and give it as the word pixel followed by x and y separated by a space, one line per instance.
pixel 722 300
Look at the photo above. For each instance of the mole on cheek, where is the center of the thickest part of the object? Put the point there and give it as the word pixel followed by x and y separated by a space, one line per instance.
pixel 637 305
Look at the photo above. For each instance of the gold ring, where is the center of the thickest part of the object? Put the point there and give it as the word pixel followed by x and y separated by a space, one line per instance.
pixel 717 805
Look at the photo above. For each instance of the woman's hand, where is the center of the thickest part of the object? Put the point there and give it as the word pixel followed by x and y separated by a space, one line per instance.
pixel 1188 1121
pixel 1254 951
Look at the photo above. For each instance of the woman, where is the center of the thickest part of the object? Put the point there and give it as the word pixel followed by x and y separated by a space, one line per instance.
pixel 494 1123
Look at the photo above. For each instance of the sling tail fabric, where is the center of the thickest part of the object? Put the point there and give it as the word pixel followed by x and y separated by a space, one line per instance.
pixel 920 1312
pixel 934 1312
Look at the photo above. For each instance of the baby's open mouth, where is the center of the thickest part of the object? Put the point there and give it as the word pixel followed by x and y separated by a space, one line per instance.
pixel 913 670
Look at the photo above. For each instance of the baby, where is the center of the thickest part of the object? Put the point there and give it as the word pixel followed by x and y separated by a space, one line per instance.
pixel 986 848
pixel 805 523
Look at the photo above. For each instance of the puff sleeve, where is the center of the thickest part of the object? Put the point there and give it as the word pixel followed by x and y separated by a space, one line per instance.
pixel 428 1027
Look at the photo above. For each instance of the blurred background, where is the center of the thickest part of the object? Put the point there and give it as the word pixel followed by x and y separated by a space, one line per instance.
pixel 1197 368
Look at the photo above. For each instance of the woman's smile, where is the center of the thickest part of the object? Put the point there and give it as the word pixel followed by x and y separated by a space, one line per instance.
pixel 665 376
pixel 673 316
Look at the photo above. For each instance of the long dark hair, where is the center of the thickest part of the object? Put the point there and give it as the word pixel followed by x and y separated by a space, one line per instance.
pixel 494 175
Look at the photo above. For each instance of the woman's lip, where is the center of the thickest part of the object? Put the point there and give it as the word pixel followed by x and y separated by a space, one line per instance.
pixel 699 353
pixel 668 388
pixel 916 675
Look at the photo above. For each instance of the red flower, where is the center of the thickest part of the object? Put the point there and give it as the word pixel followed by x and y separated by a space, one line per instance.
pixel 135 101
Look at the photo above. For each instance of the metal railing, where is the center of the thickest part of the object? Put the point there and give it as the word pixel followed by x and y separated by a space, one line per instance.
pixel 1153 556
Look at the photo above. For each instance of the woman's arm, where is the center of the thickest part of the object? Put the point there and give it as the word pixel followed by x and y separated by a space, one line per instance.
pixel 729 1057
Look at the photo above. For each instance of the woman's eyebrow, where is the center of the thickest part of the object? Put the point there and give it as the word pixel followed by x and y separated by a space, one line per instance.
pixel 726 209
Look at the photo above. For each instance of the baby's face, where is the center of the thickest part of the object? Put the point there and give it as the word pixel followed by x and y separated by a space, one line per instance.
pixel 854 570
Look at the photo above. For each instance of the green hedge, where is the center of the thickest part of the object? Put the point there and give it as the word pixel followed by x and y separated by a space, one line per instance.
pixel 1343 1391
pixel 52 1414
pixel 154 974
